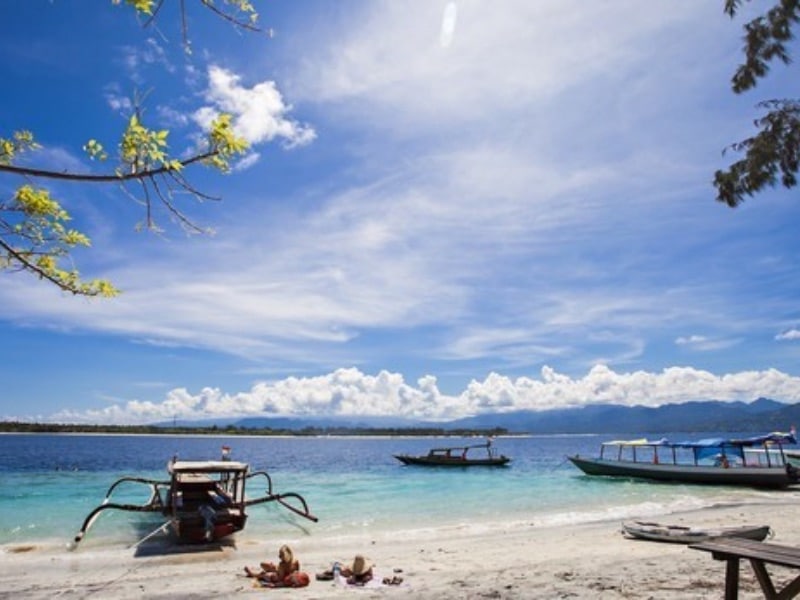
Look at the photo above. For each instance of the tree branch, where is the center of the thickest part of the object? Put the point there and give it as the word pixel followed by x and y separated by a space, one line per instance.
pixel 88 177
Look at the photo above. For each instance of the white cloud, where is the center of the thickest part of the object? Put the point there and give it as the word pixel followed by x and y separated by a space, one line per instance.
pixel 448 24
pixel 791 334
pixel 135 59
pixel 245 163
pixel 259 113
pixel 425 65
pixel 353 393
pixel 704 344
pixel 692 339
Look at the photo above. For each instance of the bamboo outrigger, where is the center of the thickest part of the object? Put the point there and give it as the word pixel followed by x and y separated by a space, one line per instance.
pixel 203 501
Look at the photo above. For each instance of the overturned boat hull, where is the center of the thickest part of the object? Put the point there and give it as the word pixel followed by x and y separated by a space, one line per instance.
pixel 681 534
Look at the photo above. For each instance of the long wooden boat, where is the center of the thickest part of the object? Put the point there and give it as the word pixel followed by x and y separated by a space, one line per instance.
pixel 681 534
pixel 756 462
pixel 457 456
pixel 203 501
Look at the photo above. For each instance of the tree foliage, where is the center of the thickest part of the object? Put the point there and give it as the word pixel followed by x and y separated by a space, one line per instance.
pixel 771 155
pixel 34 233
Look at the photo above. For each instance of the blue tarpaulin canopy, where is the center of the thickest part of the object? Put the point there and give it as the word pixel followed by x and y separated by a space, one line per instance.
pixel 760 440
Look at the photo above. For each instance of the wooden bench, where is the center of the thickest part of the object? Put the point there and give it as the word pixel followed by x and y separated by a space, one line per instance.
pixel 732 550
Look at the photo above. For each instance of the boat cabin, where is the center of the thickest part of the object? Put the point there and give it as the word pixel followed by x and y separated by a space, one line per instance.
pixel 206 499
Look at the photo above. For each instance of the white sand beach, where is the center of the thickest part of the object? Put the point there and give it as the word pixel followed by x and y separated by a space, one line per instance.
pixel 524 561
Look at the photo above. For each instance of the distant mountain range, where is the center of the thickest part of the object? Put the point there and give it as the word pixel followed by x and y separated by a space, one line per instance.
pixel 761 415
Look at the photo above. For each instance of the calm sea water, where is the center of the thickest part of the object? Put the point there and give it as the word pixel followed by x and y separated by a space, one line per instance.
pixel 354 485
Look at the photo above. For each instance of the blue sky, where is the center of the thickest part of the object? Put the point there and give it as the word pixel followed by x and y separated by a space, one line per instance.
pixel 450 207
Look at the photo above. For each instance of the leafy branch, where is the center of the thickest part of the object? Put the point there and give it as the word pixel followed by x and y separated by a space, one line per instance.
pixel 34 233
pixel 772 154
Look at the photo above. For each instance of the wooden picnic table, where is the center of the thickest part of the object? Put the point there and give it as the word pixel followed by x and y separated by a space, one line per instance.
pixel 760 554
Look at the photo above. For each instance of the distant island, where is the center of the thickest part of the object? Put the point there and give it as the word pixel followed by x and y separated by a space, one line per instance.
pixel 22 427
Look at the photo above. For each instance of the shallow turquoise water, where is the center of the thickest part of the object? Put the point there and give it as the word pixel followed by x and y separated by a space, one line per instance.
pixel 354 485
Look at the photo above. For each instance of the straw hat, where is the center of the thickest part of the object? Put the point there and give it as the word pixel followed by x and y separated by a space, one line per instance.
pixel 286 554
pixel 360 565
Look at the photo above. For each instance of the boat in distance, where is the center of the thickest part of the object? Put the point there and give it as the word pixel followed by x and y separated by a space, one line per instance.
pixel 457 456
pixel 755 462
pixel 203 501
pixel 682 534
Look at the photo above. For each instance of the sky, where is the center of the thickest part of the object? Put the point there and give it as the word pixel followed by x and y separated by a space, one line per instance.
pixel 449 207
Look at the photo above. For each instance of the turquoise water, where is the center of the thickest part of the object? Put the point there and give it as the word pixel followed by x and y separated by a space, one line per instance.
pixel 354 485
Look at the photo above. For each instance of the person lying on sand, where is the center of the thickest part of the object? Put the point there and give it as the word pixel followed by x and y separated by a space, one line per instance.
pixel 285 574
pixel 359 573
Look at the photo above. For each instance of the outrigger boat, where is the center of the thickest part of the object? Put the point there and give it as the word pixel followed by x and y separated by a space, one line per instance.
pixel 204 501
pixel 756 462
pixel 456 456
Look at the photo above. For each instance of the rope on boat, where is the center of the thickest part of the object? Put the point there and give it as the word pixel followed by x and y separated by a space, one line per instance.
pixel 561 464
pixel 158 529
pixel 96 513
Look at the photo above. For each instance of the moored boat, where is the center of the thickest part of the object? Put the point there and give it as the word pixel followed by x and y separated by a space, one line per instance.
pixel 457 456
pixel 682 534
pixel 757 461
pixel 203 501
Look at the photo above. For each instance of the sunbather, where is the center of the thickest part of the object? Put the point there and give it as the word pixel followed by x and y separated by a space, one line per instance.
pixel 285 574
pixel 360 572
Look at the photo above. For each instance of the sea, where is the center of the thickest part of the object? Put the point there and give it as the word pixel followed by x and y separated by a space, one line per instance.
pixel 354 485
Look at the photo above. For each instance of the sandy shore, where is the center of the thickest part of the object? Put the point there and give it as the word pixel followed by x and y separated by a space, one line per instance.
pixel 527 561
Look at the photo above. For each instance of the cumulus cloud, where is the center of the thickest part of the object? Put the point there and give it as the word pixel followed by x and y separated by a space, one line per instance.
pixel 259 113
pixel 349 392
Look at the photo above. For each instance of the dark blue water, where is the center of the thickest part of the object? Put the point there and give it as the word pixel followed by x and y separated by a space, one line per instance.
pixel 354 485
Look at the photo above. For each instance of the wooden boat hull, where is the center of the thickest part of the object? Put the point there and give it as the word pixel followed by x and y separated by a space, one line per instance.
pixel 766 477
pixel 498 461
pixel 680 534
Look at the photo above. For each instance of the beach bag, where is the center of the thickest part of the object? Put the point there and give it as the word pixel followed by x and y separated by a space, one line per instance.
pixel 297 579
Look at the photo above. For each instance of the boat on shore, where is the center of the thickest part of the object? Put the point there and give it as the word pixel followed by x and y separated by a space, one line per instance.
pixel 682 534
pixel 457 456
pixel 757 461
pixel 203 501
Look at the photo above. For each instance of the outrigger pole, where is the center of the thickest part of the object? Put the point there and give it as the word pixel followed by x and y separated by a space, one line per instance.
pixel 272 497
pixel 155 504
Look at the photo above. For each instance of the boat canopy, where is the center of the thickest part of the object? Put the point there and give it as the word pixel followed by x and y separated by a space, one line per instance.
pixel 639 442
pixel 760 440
pixel 207 466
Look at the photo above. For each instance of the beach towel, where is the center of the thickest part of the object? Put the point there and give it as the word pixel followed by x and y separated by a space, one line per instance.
pixel 377 581
pixel 292 580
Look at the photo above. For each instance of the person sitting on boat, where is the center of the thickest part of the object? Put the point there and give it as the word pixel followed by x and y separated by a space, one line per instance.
pixel 721 461
pixel 285 574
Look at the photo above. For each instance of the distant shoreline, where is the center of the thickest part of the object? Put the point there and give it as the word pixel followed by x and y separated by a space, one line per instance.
pixel 13 427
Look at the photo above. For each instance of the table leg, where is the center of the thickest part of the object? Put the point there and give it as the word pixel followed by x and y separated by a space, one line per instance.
pixel 791 590
pixel 732 579
pixel 763 578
